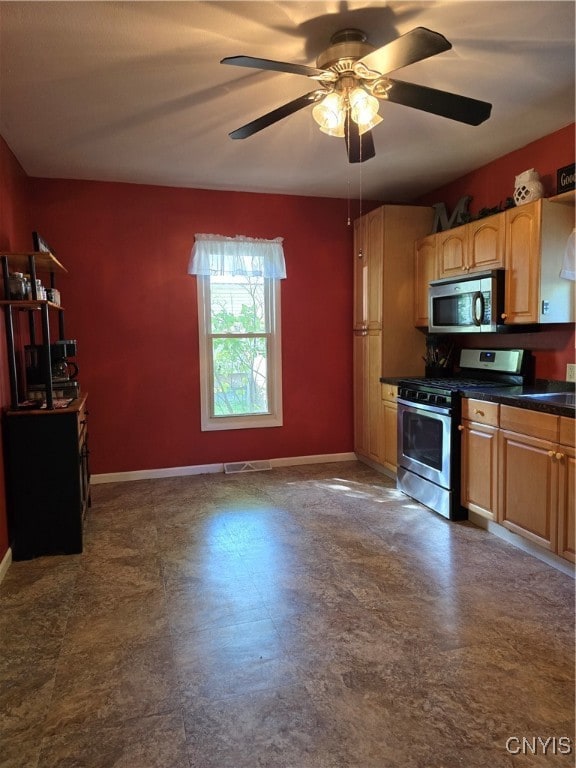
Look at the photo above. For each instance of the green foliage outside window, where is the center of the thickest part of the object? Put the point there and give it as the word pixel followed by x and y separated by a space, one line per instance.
pixel 239 339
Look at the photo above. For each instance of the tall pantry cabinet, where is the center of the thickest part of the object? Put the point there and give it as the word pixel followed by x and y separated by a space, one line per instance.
pixel 386 343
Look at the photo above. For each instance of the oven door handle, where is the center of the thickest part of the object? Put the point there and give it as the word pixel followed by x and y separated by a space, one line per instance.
pixel 408 404
pixel 478 308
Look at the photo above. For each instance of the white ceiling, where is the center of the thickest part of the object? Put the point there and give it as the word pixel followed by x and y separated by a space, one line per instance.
pixel 134 91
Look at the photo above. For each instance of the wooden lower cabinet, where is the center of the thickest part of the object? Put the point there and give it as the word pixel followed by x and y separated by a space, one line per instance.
pixel 389 421
pixel 566 494
pixel 518 469
pixel 479 446
pixel 367 364
pixel 479 483
pixel 536 478
pixel 529 487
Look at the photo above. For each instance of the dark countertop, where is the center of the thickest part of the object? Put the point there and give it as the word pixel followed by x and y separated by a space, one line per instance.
pixel 510 395
pixel 393 379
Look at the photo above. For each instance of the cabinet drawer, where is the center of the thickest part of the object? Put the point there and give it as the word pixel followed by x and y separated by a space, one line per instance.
pixel 480 411
pixel 534 423
pixel 567 427
pixel 390 392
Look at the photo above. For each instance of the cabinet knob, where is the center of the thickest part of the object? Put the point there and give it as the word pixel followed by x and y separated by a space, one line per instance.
pixel 460 427
pixel 551 454
pixel 503 315
pixel 479 412
pixel 559 456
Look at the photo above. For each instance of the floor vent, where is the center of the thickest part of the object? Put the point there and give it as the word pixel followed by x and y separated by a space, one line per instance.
pixel 246 466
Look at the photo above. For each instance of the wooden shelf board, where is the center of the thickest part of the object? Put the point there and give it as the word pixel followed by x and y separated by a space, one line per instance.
pixel 44 261
pixel 26 304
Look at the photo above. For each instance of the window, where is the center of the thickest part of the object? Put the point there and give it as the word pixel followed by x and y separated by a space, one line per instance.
pixel 239 331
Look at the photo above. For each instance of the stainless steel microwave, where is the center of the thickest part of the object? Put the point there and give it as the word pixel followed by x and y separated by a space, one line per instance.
pixel 467 304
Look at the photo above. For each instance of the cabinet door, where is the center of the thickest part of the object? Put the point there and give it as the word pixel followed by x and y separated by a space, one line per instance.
pixel 390 441
pixel 486 239
pixel 479 444
pixel 522 263
pixel 360 276
pixel 372 382
pixel 367 399
pixel 425 270
pixel 566 503
pixel 528 487
pixel 360 392
pixel 374 247
pixel 452 250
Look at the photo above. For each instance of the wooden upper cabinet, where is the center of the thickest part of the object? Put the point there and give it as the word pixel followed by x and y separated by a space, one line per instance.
pixel 452 251
pixel 536 237
pixel 522 263
pixel 486 243
pixel 425 270
pixel 360 319
pixel 374 246
pixel 368 257
pixel 474 247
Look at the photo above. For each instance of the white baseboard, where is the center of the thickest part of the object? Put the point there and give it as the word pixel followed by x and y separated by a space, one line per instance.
pixel 204 469
pixel 527 546
pixel 5 564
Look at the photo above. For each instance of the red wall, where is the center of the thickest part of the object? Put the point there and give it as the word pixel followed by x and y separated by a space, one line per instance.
pixel 132 306
pixel 491 185
pixel 14 236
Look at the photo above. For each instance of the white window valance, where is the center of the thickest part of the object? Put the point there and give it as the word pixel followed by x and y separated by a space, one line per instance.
pixel 246 256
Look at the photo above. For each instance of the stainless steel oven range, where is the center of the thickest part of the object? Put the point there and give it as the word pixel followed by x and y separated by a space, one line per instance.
pixel 428 418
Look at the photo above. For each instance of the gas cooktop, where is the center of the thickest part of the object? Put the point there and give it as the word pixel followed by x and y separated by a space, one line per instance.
pixel 454 383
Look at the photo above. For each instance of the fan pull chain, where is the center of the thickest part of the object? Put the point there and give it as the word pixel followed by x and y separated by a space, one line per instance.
pixel 360 173
pixel 348 203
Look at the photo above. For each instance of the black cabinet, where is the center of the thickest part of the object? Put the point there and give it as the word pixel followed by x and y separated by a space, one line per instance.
pixel 45 441
pixel 48 479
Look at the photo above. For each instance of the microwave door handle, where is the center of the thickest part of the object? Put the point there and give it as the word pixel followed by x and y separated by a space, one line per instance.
pixel 477 308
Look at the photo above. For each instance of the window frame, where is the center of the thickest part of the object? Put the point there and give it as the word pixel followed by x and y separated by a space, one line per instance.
pixel 274 417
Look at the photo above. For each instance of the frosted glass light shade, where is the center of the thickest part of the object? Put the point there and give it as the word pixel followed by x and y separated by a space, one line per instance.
pixel 330 114
pixel 363 127
pixel 363 106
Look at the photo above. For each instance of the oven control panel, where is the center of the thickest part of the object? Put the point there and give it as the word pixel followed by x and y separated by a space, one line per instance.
pixel 426 396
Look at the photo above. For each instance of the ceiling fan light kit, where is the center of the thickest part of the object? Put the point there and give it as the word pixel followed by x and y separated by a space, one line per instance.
pixel 353 77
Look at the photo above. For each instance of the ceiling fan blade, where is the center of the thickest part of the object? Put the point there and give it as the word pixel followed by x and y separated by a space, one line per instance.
pixel 420 43
pixel 279 66
pixel 442 103
pixel 277 114
pixel 359 147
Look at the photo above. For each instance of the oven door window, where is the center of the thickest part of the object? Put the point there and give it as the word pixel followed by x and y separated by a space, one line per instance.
pixel 423 439
pixel 424 443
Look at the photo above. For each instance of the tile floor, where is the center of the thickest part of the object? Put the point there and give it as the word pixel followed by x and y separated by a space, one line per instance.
pixel 305 617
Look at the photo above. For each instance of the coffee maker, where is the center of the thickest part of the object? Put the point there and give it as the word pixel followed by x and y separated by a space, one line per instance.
pixel 63 371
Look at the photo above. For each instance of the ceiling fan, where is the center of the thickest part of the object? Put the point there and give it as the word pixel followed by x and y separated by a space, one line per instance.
pixel 352 76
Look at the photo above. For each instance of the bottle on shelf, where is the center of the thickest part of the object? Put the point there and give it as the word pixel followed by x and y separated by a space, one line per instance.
pixel 18 288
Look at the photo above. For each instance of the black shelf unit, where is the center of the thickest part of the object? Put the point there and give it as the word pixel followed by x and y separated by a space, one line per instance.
pixel 46 448
pixel 33 306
